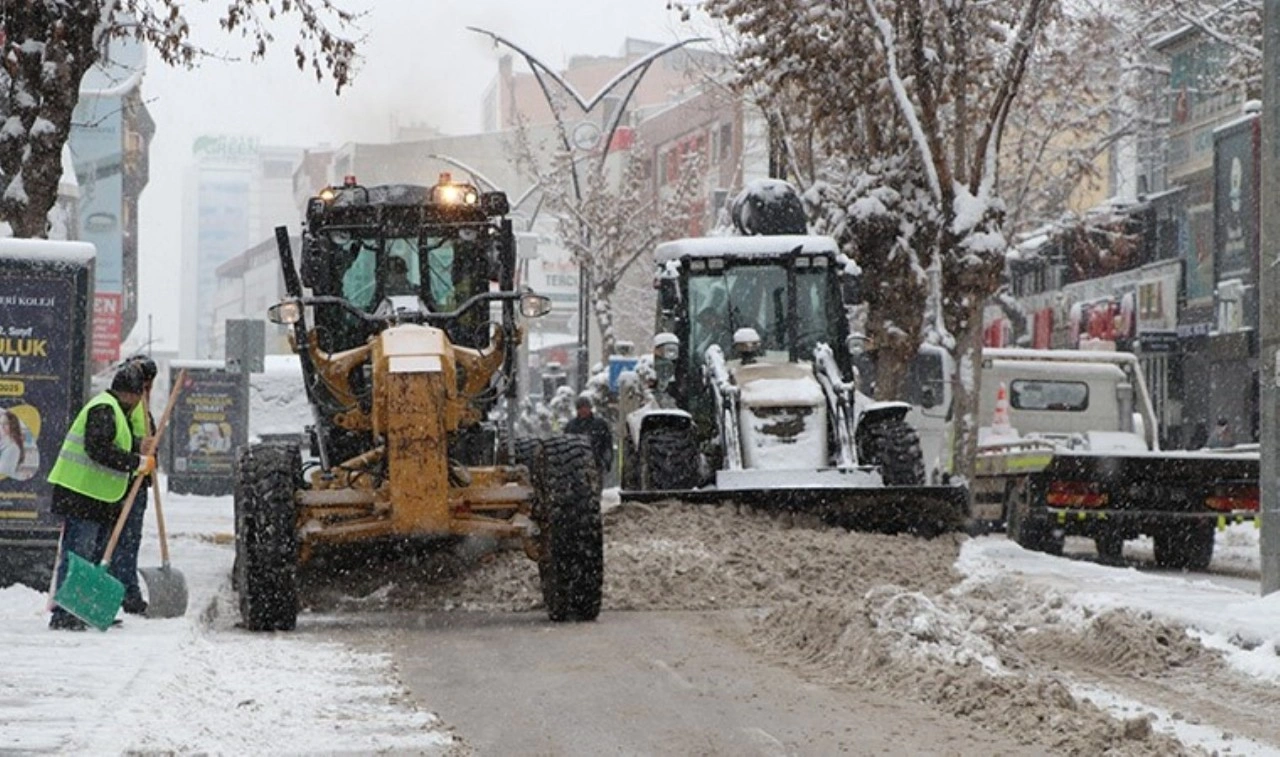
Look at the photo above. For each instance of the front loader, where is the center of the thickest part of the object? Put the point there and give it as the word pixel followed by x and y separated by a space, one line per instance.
pixel 402 358
pixel 751 394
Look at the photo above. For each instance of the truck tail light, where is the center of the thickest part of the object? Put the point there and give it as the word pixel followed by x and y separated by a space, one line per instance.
pixel 1229 497
pixel 1076 494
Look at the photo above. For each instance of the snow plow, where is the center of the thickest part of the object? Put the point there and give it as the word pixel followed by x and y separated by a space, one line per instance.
pixel 751 395
pixel 1073 450
pixel 403 363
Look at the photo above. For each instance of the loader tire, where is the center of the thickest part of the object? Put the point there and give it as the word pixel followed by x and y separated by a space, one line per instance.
pixel 266 563
pixel 668 460
pixel 571 528
pixel 893 445
pixel 630 477
pixel 1184 545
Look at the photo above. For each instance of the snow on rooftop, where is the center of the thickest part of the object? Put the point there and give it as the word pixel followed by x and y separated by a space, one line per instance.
pixel 758 246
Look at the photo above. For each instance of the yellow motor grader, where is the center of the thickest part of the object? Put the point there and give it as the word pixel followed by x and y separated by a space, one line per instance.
pixel 413 307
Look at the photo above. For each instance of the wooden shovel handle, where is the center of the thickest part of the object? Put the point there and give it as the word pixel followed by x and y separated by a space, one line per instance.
pixel 164 538
pixel 137 481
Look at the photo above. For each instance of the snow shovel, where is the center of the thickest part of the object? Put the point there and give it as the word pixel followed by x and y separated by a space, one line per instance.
pixel 166 586
pixel 89 591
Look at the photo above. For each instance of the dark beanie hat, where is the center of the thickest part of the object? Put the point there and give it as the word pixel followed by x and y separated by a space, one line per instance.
pixel 149 370
pixel 130 378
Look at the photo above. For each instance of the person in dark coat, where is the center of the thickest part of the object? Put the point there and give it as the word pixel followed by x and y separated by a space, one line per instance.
pixel 92 473
pixel 597 430
pixel 124 561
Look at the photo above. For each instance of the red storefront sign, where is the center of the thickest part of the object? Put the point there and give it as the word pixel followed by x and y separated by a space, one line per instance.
pixel 107 319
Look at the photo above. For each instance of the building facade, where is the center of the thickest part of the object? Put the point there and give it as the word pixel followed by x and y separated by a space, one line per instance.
pixel 1174 275
pixel 237 191
pixel 108 148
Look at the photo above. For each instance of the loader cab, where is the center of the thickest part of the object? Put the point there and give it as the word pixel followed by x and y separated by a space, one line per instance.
pixel 785 287
pixel 442 244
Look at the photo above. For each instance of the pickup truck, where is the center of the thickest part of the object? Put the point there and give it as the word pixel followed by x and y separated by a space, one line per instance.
pixel 1073 449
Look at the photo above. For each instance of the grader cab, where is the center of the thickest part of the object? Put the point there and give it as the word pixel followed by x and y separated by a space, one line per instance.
pixel 406 342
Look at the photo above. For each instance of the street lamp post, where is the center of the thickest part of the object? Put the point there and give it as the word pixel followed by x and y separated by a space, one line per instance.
pixel 545 74
pixel 1269 303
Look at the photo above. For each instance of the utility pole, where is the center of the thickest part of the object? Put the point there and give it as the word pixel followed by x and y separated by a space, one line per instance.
pixel 1269 301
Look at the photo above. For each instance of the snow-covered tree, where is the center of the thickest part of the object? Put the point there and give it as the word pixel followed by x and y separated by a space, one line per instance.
pixel 911 100
pixel 46 46
pixel 1093 88
pixel 606 221
pixel 1235 24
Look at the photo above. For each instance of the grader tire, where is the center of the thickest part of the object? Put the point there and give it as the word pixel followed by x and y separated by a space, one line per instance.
pixel 266 563
pixel 571 528
pixel 668 460
pixel 893 445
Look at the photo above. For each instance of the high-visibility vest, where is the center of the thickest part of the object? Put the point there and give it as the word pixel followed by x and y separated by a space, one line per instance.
pixel 76 471
pixel 138 420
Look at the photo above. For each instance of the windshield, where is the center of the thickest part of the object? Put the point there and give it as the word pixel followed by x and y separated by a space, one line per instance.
pixel 755 296
pixel 442 265
pixel 365 281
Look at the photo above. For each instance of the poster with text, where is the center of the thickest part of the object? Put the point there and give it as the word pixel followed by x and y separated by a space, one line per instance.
pixel 209 422
pixel 40 388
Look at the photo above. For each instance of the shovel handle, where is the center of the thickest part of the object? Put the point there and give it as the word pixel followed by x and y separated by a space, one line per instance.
pixel 137 481
pixel 164 539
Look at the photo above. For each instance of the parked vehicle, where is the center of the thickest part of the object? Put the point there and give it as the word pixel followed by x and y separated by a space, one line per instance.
pixel 1073 449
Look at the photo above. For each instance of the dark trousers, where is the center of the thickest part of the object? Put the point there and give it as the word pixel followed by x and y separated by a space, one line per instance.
pixel 86 538
pixel 124 560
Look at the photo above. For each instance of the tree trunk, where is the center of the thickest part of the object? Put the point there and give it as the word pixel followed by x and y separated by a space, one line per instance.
pixel 602 304
pixel 967 390
pixel 48 48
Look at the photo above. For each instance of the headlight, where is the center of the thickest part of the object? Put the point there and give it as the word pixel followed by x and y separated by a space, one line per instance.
pixel 285 313
pixel 448 194
pixel 746 341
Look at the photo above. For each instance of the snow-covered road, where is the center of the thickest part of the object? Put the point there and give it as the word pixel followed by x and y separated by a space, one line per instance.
pixel 194 684
pixel 1056 654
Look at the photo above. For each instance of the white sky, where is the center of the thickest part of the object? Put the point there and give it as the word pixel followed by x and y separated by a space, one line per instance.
pixel 420 65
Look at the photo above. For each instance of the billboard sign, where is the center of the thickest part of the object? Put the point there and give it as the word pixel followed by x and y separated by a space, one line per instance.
pixel 1235 200
pixel 43 350
pixel 209 423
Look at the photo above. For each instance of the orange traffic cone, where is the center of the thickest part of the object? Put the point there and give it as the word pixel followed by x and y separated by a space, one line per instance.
pixel 1000 423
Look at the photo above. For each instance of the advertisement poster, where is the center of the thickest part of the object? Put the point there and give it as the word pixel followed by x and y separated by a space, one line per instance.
pixel 1235 201
pixel 41 385
pixel 209 423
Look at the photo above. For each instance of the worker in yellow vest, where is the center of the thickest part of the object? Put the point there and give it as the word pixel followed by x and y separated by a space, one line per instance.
pixel 124 561
pixel 91 475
